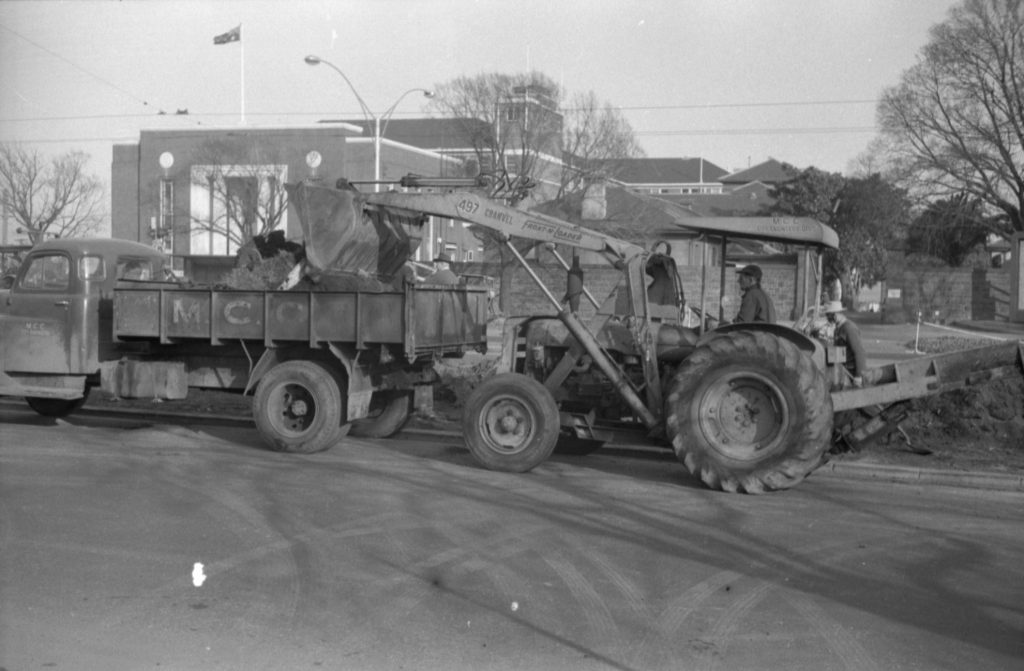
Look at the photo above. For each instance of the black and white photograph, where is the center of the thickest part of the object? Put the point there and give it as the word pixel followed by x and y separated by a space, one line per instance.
pixel 462 335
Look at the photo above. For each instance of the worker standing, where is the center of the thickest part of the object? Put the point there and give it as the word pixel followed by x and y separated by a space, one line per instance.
pixel 442 272
pixel 847 335
pixel 756 305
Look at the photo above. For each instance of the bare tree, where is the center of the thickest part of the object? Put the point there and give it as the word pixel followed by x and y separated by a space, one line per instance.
pixel 513 124
pixel 49 198
pixel 594 135
pixel 955 122
pixel 521 136
pixel 246 195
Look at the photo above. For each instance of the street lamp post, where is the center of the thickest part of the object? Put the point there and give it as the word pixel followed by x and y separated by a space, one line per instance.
pixel 378 131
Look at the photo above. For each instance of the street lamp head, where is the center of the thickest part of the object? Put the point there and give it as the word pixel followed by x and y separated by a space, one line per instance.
pixel 312 60
pixel 428 93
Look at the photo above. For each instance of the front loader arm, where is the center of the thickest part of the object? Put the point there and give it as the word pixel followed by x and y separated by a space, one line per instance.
pixel 508 221
pixel 934 374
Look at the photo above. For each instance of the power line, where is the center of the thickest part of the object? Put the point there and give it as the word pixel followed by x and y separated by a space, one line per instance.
pixel 632 108
pixel 95 76
pixel 835 130
pixel 762 131
pixel 797 103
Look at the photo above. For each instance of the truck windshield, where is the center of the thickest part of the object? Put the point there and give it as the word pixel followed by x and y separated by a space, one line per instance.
pixel 48 272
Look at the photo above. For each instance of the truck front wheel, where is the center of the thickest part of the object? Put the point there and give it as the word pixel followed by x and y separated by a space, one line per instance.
pixel 511 423
pixel 297 407
pixel 749 412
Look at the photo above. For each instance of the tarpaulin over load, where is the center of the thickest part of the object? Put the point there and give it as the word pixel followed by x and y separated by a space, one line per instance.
pixel 342 233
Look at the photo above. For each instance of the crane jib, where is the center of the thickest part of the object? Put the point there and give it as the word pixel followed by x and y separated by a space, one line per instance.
pixel 509 221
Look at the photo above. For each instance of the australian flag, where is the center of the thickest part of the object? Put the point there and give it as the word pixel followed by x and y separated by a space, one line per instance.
pixel 233 35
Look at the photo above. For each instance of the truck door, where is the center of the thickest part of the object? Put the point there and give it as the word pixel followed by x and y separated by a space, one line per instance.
pixel 38 315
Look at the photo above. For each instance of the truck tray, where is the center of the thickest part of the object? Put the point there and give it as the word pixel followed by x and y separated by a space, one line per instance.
pixel 422 318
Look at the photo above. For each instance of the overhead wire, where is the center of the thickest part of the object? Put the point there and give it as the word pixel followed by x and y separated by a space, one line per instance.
pixel 632 108
pixel 104 80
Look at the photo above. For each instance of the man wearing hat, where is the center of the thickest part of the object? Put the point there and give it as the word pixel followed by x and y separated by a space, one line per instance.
pixel 847 335
pixel 756 305
pixel 442 274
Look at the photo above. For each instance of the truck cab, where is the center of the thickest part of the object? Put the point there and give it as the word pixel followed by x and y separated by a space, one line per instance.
pixel 55 318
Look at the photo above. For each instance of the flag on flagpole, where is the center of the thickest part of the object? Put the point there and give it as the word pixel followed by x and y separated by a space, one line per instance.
pixel 233 35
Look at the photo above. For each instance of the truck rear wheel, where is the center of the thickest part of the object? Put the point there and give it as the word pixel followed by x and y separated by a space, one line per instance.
pixel 56 407
pixel 297 407
pixel 749 412
pixel 389 411
pixel 511 423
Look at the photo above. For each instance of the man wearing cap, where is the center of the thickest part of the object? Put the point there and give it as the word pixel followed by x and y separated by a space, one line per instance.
pixel 442 274
pixel 756 305
pixel 847 335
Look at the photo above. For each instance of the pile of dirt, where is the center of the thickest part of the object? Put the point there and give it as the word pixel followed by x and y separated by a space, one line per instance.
pixel 263 263
pixel 978 427
pixel 261 275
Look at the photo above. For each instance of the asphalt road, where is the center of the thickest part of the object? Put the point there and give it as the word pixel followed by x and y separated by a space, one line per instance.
pixel 403 554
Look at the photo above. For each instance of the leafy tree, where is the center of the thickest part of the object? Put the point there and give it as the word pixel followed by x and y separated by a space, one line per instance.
pixel 870 218
pixel 49 198
pixel 949 229
pixel 868 214
pixel 955 122
pixel 810 193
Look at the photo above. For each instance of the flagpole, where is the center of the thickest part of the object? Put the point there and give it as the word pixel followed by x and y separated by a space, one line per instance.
pixel 241 66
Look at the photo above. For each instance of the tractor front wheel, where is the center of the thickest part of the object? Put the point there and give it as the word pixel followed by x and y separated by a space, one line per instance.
pixel 749 411
pixel 511 423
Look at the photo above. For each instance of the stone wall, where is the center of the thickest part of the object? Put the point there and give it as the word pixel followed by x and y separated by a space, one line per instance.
pixel 950 294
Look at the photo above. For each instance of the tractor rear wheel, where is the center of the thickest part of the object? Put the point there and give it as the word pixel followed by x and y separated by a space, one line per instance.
pixel 511 423
pixel 749 412
pixel 297 407
pixel 389 411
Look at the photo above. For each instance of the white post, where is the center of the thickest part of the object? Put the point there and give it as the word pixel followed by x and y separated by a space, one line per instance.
pixel 376 153
pixel 241 66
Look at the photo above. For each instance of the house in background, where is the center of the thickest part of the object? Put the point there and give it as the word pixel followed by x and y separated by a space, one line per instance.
pixel 743 193
pixel 667 176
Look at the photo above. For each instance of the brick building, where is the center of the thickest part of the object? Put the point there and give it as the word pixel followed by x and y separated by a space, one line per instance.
pixel 200 193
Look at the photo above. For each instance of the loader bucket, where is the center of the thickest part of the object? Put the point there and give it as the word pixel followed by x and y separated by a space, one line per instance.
pixel 344 234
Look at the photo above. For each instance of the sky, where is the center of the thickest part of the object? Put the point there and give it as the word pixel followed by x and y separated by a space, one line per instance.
pixel 733 81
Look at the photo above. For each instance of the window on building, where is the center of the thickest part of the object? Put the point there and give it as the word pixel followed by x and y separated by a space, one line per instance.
pixel 232 203
pixel 241 196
